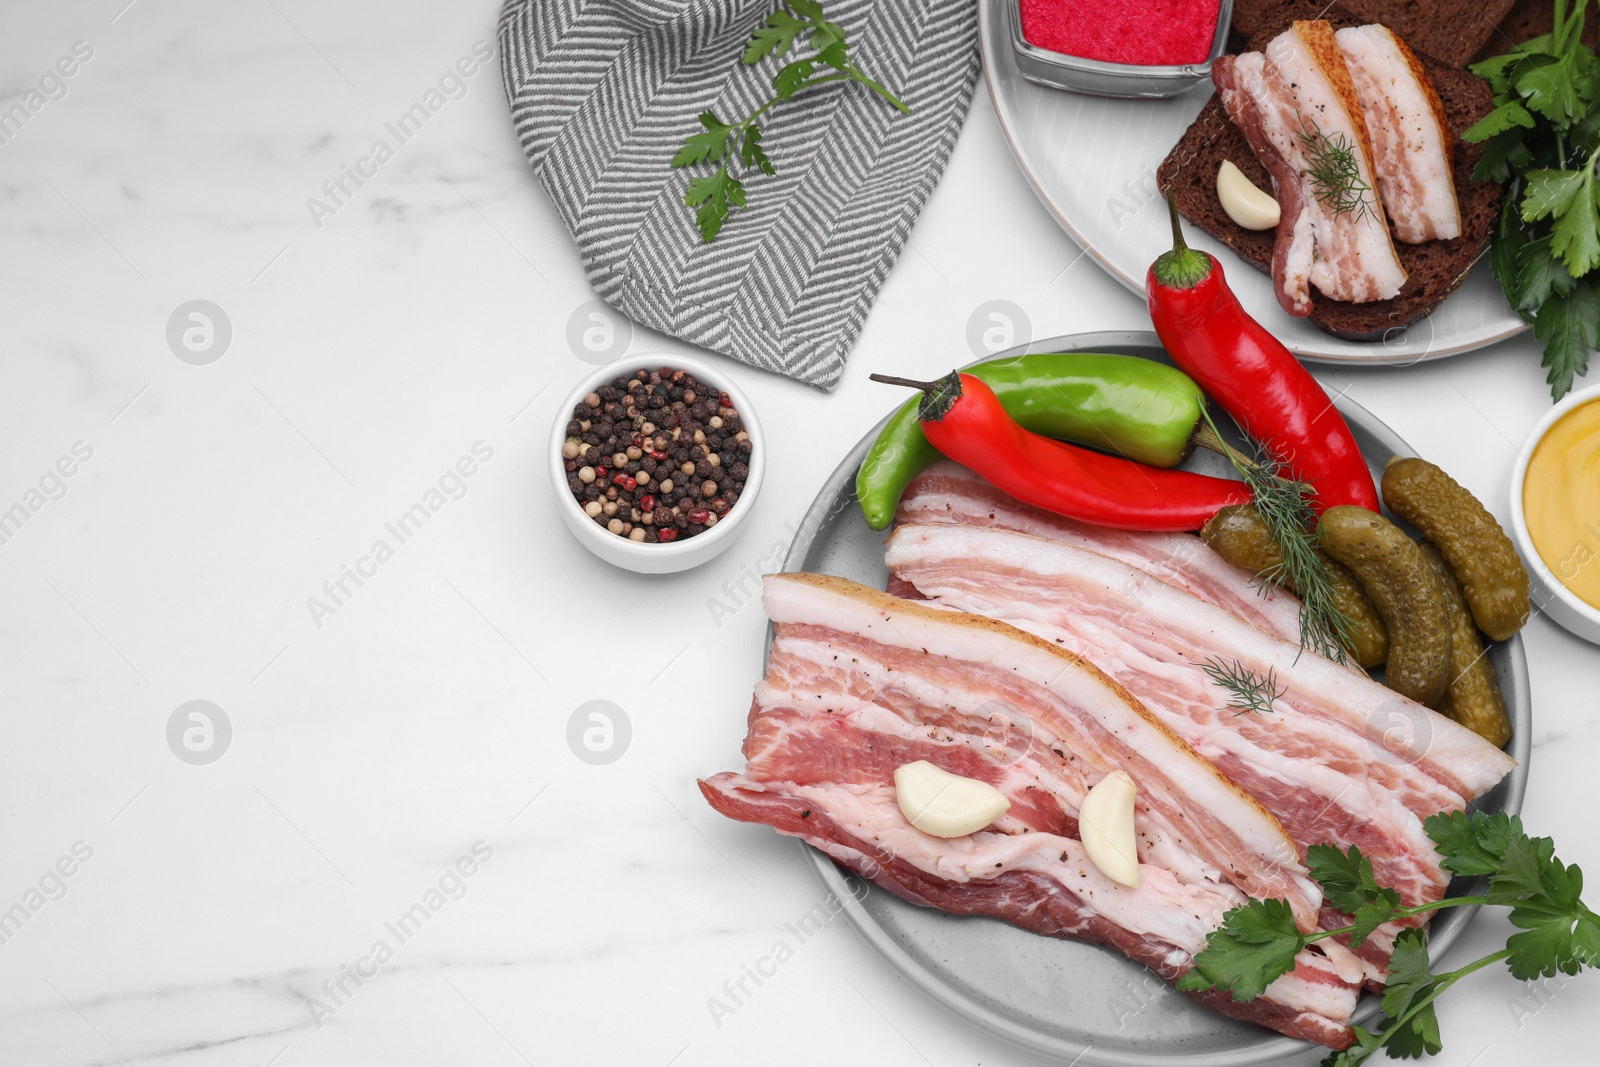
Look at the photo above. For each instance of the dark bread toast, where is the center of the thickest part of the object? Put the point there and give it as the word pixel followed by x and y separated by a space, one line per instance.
pixel 1448 32
pixel 1435 268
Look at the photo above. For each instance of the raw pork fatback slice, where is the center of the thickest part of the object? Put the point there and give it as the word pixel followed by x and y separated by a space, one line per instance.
pixel 1412 143
pixel 949 492
pixel 1296 105
pixel 1329 762
pixel 859 683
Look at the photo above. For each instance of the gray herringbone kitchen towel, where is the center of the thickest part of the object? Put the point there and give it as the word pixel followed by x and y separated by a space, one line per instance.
pixel 603 93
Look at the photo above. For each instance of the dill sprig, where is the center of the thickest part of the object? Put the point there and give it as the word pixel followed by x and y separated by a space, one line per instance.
pixel 1334 172
pixel 1284 503
pixel 1247 690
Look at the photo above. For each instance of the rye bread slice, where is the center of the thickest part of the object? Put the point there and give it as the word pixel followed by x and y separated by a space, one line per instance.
pixel 1435 267
pixel 1448 32
pixel 1528 19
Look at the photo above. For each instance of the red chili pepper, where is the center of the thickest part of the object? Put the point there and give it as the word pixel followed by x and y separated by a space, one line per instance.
pixel 1253 376
pixel 963 418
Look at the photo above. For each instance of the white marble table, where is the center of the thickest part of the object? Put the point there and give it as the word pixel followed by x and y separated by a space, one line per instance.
pixel 412 741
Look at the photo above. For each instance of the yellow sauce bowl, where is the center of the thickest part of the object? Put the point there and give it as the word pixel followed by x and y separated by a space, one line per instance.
pixel 1555 513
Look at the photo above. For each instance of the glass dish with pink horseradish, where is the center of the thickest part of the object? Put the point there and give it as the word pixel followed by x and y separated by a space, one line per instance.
pixel 1126 48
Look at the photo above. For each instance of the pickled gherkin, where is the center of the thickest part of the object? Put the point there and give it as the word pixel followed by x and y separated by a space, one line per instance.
pixel 1239 535
pixel 1474 699
pixel 1480 554
pixel 1399 581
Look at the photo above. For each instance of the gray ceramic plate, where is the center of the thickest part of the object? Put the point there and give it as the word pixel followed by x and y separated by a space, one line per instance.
pixel 1092 161
pixel 1087 1005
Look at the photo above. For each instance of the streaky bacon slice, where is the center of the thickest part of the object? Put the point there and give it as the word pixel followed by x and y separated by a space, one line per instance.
pixel 1412 143
pixel 1038 890
pixel 949 492
pixel 859 683
pixel 1343 760
pixel 1284 102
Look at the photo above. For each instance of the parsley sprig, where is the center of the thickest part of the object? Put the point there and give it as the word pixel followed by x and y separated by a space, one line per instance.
pixel 714 195
pixel 1258 941
pixel 1541 141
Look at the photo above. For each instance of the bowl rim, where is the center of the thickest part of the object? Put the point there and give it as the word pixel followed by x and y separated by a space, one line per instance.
pixel 600 539
pixel 1172 72
pixel 1519 522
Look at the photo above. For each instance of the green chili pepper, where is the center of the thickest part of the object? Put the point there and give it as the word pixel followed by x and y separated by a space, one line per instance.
pixel 1133 407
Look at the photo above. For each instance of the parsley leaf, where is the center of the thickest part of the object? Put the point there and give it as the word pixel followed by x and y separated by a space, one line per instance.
pixel 1346 877
pixel 1556 931
pixel 1550 87
pixel 1575 238
pixel 835 56
pixel 1542 141
pixel 1547 192
pixel 1502 154
pixel 1255 945
pixel 1505 257
pixel 1367 1044
pixel 1569 325
pixel 712 144
pixel 1406 994
pixel 1559 932
pixel 1471 844
pixel 715 195
pixel 751 152
pixel 1550 943
pixel 1537 275
pixel 1371 915
pixel 791 77
pixel 1524 866
pixel 1505 117
pixel 775 37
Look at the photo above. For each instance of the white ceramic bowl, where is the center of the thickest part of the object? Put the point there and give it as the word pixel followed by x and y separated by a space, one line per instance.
pixel 686 552
pixel 1549 594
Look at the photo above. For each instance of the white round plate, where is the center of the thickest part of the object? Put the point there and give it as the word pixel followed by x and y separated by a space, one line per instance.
pixel 1092 161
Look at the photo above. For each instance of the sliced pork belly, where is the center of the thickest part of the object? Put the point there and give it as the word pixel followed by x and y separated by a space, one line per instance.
pixel 944 669
pixel 1412 144
pixel 949 492
pixel 859 683
pixel 1330 763
pixel 1284 101
pixel 1043 884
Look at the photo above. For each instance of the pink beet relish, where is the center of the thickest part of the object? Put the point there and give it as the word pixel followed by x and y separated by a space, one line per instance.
pixel 1146 33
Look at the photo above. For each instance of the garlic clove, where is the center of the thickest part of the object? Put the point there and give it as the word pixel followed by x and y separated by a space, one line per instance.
pixel 1105 826
pixel 1245 204
pixel 944 804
